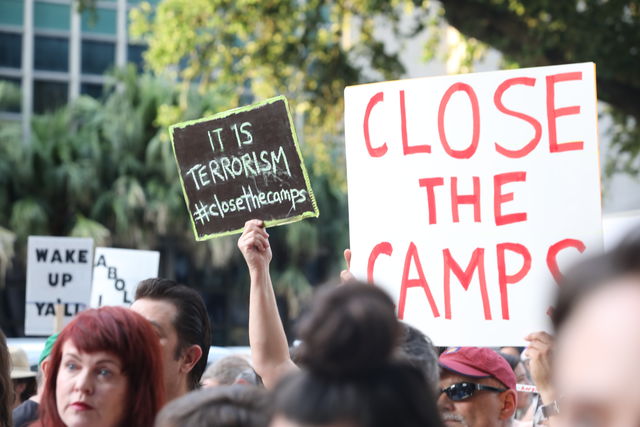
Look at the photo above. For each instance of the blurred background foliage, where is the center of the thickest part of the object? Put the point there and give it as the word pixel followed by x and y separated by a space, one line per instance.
pixel 104 168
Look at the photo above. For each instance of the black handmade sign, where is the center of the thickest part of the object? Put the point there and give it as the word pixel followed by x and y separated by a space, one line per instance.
pixel 242 164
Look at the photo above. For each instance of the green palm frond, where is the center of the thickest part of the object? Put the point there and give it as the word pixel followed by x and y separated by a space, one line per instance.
pixel 85 227
pixel 7 251
pixel 28 217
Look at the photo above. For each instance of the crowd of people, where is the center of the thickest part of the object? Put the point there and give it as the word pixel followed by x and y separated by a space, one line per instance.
pixel 356 364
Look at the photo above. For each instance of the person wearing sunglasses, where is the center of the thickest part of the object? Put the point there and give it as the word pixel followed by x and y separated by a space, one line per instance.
pixel 477 388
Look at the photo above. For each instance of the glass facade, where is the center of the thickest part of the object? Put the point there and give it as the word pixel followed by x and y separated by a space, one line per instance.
pixel 11 12
pixel 49 95
pixel 68 56
pixel 101 21
pixel 97 56
pixel 10 50
pixel 51 16
pixel 134 55
pixel 51 53
pixel 91 89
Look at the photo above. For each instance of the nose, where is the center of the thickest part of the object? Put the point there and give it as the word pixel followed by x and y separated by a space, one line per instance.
pixel 84 382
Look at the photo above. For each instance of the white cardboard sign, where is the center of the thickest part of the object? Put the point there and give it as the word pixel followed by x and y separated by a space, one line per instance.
pixel 468 194
pixel 616 227
pixel 117 272
pixel 58 272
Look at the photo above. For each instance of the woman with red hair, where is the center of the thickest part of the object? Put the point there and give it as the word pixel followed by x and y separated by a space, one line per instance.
pixel 105 371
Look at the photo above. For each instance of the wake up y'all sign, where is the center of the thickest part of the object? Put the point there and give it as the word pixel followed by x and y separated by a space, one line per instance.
pixel 242 164
pixel 470 194
pixel 58 274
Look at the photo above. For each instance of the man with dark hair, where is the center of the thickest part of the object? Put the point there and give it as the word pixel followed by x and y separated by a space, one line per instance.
pixel 180 318
pixel 477 388
pixel 597 345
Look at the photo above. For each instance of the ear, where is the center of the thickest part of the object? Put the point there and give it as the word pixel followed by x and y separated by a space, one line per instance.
pixel 509 404
pixel 45 367
pixel 190 357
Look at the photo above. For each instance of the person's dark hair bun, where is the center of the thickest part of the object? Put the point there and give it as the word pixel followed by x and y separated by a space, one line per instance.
pixel 350 331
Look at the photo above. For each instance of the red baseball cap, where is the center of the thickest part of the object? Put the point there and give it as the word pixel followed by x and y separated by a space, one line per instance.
pixel 478 362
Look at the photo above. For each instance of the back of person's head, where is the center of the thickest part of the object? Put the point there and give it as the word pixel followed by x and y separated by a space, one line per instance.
pixel 418 350
pixel 6 386
pixel 192 321
pixel 130 338
pixel 349 330
pixel 224 406
pixel 348 340
pixel 227 371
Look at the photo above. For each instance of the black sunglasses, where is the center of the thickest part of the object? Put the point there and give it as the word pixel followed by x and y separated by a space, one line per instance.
pixel 462 391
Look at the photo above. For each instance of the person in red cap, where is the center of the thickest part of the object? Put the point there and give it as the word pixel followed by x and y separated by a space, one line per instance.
pixel 477 388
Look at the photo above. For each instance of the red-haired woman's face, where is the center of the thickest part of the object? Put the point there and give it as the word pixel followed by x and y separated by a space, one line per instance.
pixel 91 388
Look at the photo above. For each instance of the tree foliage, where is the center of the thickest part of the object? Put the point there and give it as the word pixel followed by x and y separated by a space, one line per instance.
pixel 310 50
pixel 306 50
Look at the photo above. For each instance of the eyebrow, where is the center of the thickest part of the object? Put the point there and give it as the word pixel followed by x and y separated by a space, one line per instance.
pixel 114 361
pixel 156 325
pixel 71 354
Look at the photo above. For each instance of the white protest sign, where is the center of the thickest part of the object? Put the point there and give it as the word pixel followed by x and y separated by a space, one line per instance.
pixel 58 272
pixel 117 272
pixel 468 194
pixel 615 227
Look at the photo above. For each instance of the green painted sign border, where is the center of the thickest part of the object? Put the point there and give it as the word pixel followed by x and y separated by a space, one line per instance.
pixel 269 223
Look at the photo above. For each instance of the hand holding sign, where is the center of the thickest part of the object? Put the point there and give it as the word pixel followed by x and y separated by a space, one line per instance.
pixel 242 164
pixel 254 245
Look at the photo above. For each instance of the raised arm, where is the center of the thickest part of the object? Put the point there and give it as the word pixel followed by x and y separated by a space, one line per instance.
pixel 269 348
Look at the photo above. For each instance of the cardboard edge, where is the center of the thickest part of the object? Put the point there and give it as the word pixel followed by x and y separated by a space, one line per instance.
pixel 268 223
pixel 305 174
pixel 227 113
pixel 439 76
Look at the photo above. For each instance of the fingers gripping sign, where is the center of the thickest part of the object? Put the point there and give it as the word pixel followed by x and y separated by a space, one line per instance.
pixel 254 245
pixel 346 275
pixel 539 354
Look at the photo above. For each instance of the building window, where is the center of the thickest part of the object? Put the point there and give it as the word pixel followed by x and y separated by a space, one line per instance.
pixel 10 95
pixel 134 55
pixel 97 57
pixel 48 96
pixel 51 16
pixel 103 21
pixel 94 90
pixel 10 50
pixel 11 12
pixel 51 53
